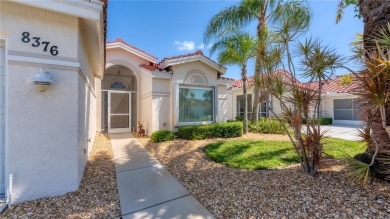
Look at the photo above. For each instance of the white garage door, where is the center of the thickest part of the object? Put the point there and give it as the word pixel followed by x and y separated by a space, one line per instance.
pixel 346 111
pixel 2 117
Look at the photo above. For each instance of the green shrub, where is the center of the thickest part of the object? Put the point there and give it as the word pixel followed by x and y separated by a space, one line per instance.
pixel 267 125
pixel 216 130
pixel 323 121
pixel 162 135
pixel 239 118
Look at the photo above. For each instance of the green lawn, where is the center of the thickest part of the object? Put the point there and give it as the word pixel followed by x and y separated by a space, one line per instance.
pixel 246 154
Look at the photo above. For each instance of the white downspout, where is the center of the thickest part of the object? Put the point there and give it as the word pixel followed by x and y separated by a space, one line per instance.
pixel 9 195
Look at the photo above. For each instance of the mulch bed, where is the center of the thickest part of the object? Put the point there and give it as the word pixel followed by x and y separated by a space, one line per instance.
pixel 97 196
pixel 278 193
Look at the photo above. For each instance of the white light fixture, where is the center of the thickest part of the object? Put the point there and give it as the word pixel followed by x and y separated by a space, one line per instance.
pixel 42 81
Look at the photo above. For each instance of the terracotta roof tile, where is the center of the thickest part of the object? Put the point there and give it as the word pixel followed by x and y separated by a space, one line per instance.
pixel 286 76
pixel 332 85
pixel 150 67
pixel 336 85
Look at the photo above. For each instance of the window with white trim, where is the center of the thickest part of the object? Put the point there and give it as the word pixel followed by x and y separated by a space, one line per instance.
pixel 262 110
pixel 346 109
pixel 241 104
pixel 196 104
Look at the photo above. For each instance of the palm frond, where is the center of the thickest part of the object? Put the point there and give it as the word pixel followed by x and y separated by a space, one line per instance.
pixel 340 10
pixel 235 16
pixel 357 171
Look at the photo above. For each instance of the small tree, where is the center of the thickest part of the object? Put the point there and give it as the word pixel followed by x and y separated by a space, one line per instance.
pixel 300 102
pixel 236 49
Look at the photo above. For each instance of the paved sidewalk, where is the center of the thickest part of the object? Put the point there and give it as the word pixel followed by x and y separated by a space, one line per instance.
pixel 347 132
pixel 146 189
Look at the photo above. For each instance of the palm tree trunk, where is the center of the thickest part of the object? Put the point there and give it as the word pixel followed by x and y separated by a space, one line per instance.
pixel 244 82
pixel 259 90
pixel 376 14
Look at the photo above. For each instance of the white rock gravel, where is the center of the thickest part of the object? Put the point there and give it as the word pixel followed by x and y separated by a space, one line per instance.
pixel 281 193
pixel 97 196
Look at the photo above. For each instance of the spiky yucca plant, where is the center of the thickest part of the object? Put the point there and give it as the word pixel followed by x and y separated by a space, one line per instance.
pixel 297 101
pixel 374 91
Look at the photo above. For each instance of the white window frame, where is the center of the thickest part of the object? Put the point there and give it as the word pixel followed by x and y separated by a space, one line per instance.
pixel 345 122
pixel 259 112
pixel 213 88
pixel 238 105
pixel 352 109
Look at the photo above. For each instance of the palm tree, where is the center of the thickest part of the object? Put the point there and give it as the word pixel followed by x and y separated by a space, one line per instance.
pixel 261 11
pixel 372 51
pixel 236 49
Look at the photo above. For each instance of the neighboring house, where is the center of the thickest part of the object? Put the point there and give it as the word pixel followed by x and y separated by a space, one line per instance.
pixel 177 91
pixel 337 100
pixel 45 137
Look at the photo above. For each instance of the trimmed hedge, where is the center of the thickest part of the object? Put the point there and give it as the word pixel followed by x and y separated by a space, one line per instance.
pixel 162 135
pixel 323 121
pixel 267 125
pixel 216 130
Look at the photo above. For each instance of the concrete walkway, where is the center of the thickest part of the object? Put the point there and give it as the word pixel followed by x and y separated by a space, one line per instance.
pixel 347 132
pixel 146 189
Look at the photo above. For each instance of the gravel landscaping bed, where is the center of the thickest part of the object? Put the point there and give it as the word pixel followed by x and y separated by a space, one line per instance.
pixel 97 196
pixel 279 193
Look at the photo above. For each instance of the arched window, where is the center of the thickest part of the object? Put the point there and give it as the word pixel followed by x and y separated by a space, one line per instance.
pixel 118 85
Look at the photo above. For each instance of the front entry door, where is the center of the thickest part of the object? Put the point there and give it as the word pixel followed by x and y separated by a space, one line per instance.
pixel 119 112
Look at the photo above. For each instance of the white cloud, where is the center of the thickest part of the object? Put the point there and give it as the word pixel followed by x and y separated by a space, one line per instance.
pixel 201 46
pixel 185 45
pixel 209 46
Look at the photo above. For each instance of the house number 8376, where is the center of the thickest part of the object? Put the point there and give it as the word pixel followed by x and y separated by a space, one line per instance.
pixel 36 42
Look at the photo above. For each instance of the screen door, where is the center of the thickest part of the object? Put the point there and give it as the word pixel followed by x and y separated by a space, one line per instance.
pixel 119 111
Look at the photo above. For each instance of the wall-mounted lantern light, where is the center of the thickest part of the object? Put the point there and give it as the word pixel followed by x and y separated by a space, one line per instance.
pixel 42 81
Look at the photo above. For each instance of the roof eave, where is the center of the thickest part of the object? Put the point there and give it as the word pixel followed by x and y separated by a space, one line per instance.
pixel 115 45
pixel 183 60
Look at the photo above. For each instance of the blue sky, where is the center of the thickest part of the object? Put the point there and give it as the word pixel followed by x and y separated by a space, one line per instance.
pixel 168 28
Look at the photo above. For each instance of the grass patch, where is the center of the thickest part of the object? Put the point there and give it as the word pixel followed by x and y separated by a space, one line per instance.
pixel 247 154
pixel 337 148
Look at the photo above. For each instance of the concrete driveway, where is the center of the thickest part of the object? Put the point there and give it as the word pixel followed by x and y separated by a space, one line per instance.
pixel 348 132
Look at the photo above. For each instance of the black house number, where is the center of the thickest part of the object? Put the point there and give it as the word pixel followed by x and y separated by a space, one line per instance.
pixel 36 42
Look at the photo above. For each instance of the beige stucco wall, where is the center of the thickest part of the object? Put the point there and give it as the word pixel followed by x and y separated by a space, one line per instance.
pixel 222 114
pixel 86 104
pixel 46 132
pixel 328 106
pixel 41 151
pixel 58 29
pixel 161 105
pixel 229 105
pixel 144 93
